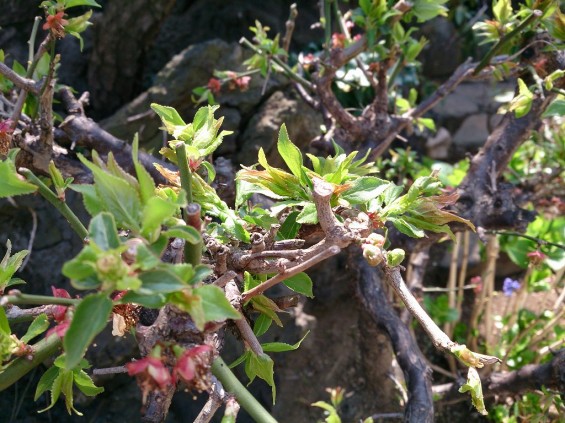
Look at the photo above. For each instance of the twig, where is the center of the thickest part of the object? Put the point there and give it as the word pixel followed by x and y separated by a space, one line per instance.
pixel 463 272
pixel 288 71
pixel 234 297
pixel 289 25
pixel 16 297
pixel 461 73
pixel 221 370
pixel 538 241
pixel 324 254
pixel 225 278
pixel 439 289
pixel 21 366
pixel 529 378
pixel 440 340
pixel 193 252
pixel 217 396
pixel 417 374
pixel 110 370
pixel 30 70
pixel 20 81
pixel 504 40
pixel 18 315
pixel 488 287
pixel 63 208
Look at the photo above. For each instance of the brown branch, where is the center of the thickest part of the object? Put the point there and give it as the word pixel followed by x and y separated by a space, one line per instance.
pixel 23 94
pixel 83 131
pixel 440 340
pixel 324 254
pixel 217 396
pixel 234 297
pixel 531 377
pixel 417 374
pixel 21 82
pixel 289 25
pixel 461 73
pixel 478 202
pixel 16 314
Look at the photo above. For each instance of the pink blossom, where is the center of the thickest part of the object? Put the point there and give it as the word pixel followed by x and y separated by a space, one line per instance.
pixel 150 370
pixel 6 126
pixel 60 311
pixel 214 85
pixel 243 82
pixel 478 282
pixel 60 330
pixel 191 363
pixel 536 257
pixel 338 40
pixel 56 24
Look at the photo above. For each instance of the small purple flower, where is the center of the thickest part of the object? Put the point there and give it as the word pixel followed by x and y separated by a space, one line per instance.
pixel 509 286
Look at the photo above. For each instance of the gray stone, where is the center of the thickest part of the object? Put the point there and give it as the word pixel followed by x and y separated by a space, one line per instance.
pixel 437 147
pixel 473 132
pixel 302 123
pixel 173 86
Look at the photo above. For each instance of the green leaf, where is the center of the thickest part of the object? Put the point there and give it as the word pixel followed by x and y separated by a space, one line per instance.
pixel 281 346
pixel 56 388
pixel 78 24
pixel 556 108
pixel 474 387
pixel 333 417
pixel 364 189
pixel 425 10
pixel 37 327
pixel 267 307
pixel 146 183
pixel 216 306
pixel 309 214
pixel 149 301
pixel 240 359
pixel 406 228
pixel 4 325
pixel 161 281
pixel 91 316
pixel 291 156
pixel 11 183
pixel 395 257
pixel 263 366
pixel 82 266
pixel 300 283
pixel 289 229
pixel 199 273
pixel 156 211
pixel 116 196
pixel 210 170
pixel 46 381
pixel 522 103
pixel 169 116
pixel 262 324
pixel 10 264
pixel 188 233
pixel 89 197
pixel 74 3
pixel 502 10
pixel 103 232
pixel 85 383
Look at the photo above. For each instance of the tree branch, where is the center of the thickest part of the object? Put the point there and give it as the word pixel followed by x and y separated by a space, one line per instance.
pixel 420 406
